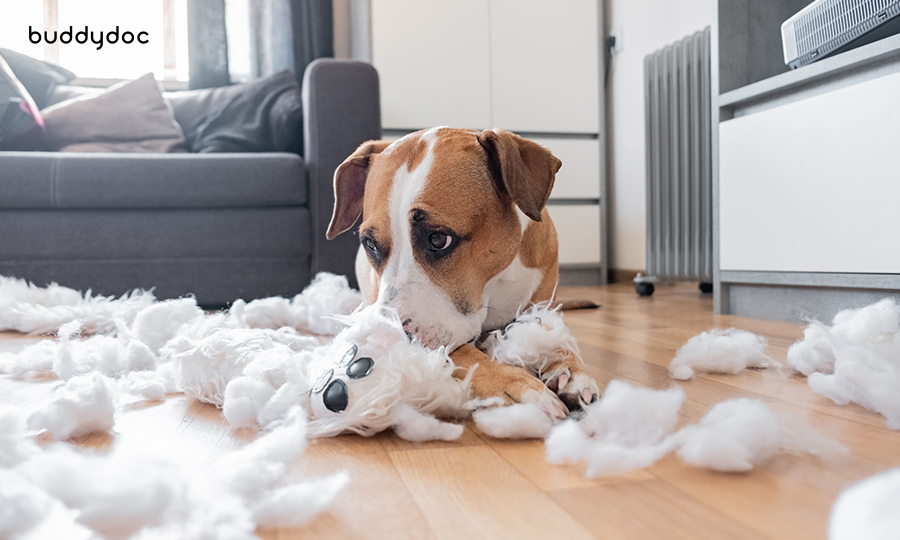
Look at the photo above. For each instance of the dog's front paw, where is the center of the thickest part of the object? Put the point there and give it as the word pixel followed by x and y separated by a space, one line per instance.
pixel 573 385
pixel 519 386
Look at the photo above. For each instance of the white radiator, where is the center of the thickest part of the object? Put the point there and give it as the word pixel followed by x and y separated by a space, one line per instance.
pixel 679 162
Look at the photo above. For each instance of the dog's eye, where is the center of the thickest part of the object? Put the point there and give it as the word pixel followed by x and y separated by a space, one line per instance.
pixel 335 397
pixel 370 244
pixel 439 241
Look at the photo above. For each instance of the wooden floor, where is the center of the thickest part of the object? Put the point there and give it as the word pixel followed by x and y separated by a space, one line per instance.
pixel 479 487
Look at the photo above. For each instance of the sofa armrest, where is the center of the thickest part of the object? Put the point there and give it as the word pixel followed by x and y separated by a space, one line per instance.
pixel 341 110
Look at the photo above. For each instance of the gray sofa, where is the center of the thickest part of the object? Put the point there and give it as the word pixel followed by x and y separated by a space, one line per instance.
pixel 218 226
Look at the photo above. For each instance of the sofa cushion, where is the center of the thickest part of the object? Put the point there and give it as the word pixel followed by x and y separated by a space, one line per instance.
pixel 131 116
pixel 265 115
pixel 34 180
pixel 39 77
pixel 21 124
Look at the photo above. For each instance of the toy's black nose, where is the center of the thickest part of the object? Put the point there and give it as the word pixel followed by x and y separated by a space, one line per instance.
pixel 335 397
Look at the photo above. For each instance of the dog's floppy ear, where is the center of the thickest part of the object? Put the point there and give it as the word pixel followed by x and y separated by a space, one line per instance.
pixel 521 169
pixel 350 186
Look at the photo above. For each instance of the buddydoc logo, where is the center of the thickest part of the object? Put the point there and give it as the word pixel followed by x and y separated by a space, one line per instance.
pixel 82 37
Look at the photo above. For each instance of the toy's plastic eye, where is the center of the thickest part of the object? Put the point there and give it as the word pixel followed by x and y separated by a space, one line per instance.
pixel 348 356
pixel 360 368
pixel 323 380
pixel 335 397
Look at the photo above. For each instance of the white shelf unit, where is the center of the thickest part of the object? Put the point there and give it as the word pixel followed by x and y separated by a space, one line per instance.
pixel 529 66
pixel 805 179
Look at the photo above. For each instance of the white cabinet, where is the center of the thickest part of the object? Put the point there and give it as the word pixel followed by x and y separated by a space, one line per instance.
pixel 432 61
pixel 813 185
pixel 578 177
pixel 578 228
pixel 521 65
pixel 545 65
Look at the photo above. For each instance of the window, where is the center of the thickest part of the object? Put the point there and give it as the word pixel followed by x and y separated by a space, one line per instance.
pixel 164 21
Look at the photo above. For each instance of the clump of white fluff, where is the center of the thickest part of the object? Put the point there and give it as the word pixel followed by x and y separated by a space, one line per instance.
pixel 411 425
pixel 519 421
pixel 45 490
pixel 719 351
pixel 856 359
pixel 535 339
pixel 737 434
pixel 869 509
pixel 627 429
pixel 313 310
pixel 83 404
pixel 41 310
pixel 631 428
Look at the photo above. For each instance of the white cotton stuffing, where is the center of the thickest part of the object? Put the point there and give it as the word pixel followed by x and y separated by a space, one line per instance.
pixel 155 325
pixel 738 434
pixel 519 421
pixel 28 513
pixel 240 491
pixel 312 310
pixel 720 351
pixel 856 359
pixel 83 404
pixel 411 425
pixel 869 509
pixel 538 337
pixel 628 429
pixel 41 310
pixel 205 367
pixel 15 447
pixel 631 428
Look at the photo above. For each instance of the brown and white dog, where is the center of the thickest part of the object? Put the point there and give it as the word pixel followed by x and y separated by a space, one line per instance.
pixel 455 237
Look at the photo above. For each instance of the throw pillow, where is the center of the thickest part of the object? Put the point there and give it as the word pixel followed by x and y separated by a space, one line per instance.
pixel 21 125
pixel 38 77
pixel 129 117
pixel 261 116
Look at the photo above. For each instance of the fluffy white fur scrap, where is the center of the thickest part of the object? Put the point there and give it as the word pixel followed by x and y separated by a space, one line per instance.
pixel 519 421
pixel 538 337
pixel 411 425
pixel 719 351
pixel 155 325
pixel 27 308
pixel 627 430
pixel 631 428
pixel 84 404
pixel 15 447
pixel 869 509
pixel 856 359
pixel 314 310
pixel 738 434
pixel 296 504
pixel 28 513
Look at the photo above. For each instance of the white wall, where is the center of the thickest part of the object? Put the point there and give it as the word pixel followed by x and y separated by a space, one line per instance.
pixel 645 26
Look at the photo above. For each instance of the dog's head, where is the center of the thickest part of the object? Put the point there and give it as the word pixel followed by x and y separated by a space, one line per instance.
pixel 443 212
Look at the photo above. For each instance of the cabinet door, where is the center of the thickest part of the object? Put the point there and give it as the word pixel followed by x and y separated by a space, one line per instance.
pixel 432 60
pixel 579 177
pixel 545 65
pixel 812 186
pixel 578 230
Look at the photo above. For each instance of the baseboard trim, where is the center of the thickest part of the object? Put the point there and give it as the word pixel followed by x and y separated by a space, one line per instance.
pixel 623 275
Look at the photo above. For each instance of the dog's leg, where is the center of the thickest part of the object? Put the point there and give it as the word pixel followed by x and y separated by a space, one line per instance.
pixel 509 383
pixel 571 383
